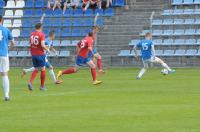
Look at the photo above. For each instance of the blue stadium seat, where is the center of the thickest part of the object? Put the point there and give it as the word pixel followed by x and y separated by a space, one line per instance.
pixel 65 43
pixel 198 42
pixel 191 52
pixel 118 3
pixel 190 32
pixel 168 12
pixel 196 1
pixel 57 23
pixel 29 4
pixel 157 22
pixel 197 11
pixel 190 42
pixel 189 21
pixel 67 22
pixel 168 22
pixel 25 32
pixel 68 13
pixel 49 13
pixel 56 42
pixel 64 53
pixel 12 53
pixel 179 52
pixel 47 23
pixel 66 32
pixel 27 23
pixel 179 42
pixel 100 22
pixel 57 31
pixel 178 12
pixel 159 52
pixel 157 32
pixel 38 13
pixel 157 41
pixel 178 21
pixel 77 22
pixel 124 53
pixel 86 31
pixel 28 13
pixel 188 2
pixel 188 11
pixel 197 21
pixel 179 32
pixel 109 12
pixel 2 3
pixel 168 42
pixel 177 2
pixel 76 32
pixel 46 31
pixel 88 22
pixel 198 32
pixel 57 13
pixel 168 32
pixel 89 12
pixel 99 11
pixel 134 42
pixel 168 53
pixel 78 12
pixel 39 3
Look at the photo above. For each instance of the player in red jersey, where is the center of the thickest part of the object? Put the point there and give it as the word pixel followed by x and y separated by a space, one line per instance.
pixel 83 48
pixel 37 49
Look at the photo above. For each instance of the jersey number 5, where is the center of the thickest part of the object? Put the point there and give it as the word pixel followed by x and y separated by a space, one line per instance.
pixel 34 40
pixel 145 47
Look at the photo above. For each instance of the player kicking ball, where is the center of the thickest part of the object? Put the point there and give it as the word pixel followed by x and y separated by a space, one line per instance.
pixel 148 55
pixel 83 48
pixel 49 44
pixel 38 50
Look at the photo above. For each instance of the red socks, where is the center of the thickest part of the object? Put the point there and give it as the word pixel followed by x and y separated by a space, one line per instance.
pixel 33 75
pixel 94 74
pixel 69 71
pixel 42 77
pixel 99 64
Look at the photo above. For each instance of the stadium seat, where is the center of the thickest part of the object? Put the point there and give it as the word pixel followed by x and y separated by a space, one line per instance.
pixel 9 13
pixel 28 13
pixel 124 53
pixel 89 12
pixel 16 33
pixel 190 41
pixel 76 32
pixel 99 11
pixel 19 13
pixel 85 31
pixel 157 32
pixel 197 21
pixel 168 32
pixel 118 3
pixel 22 54
pixel 188 11
pixel 135 41
pixel 7 23
pixel 168 42
pixel 78 12
pixel 10 4
pixel 65 43
pixel 168 22
pixel 109 12
pixel 197 11
pixel 179 52
pixel 159 52
pixel 38 13
pixel 75 42
pixel 190 32
pixel 12 53
pixel 56 43
pixel 178 12
pixel 49 13
pixel 24 43
pixel 189 21
pixel 168 12
pixel 66 32
pixel 58 13
pixel 156 42
pixel 77 22
pixel 198 53
pixel 64 53
pixel 17 23
pixel 196 1
pixel 100 22
pixel 67 22
pixel 177 2
pixel 179 42
pixel 178 21
pixel 87 22
pixel 188 2
pixel 39 3
pixel 179 32
pixel 57 23
pixel 2 3
pixel 25 33
pixel 197 31
pixel 29 4
pixel 168 53
pixel 157 22
pixel 27 23
pixel 20 3
pixel 68 13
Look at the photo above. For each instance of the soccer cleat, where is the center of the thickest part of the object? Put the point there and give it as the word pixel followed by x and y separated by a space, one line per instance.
pixel 138 78
pixel 6 99
pixel 59 75
pixel 23 73
pixel 172 71
pixel 101 72
pixel 58 82
pixel 30 87
pixel 43 89
pixel 97 82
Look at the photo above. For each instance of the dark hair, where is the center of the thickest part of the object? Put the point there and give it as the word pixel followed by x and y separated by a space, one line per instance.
pixel 90 34
pixel 38 25
pixel 95 27
pixel 147 34
pixel 51 33
pixel 1 18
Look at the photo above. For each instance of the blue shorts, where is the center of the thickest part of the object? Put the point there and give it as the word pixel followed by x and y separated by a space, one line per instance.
pixel 39 61
pixel 48 65
pixel 80 61
pixel 90 54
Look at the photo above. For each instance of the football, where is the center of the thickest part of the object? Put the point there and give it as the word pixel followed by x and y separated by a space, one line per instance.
pixel 164 71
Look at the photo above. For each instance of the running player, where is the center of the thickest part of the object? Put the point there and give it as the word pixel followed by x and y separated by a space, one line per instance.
pixel 38 49
pixel 96 56
pixel 148 55
pixel 5 38
pixel 49 44
pixel 83 47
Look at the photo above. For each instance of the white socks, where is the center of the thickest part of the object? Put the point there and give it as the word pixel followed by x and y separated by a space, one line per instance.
pixel 142 71
pixel 166 66
pixel 29 70
pixel 51 72
pixel 6 86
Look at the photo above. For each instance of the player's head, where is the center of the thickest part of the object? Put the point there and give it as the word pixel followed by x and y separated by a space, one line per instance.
pixel 52 34
pixel 148 35
pixel 96 29
pixel 90 34
pixel 38 26
pixel 1 19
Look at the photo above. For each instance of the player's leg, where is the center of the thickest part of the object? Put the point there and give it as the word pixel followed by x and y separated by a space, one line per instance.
pixel 52 74
pixel 4 68
pixel 163 64
pixel 24 71
pixel 93 72
pixel 99 63
pixel 42 64
pixel 143 70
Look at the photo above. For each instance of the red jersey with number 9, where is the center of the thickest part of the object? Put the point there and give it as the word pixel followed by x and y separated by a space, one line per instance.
pixel 83 45
pixel 35 43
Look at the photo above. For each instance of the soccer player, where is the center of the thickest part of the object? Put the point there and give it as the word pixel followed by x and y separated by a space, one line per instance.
pixel 148 55
pixel 49 44
pixel 5 38
pixel 83 47
pixel 38 49
pixel 96 56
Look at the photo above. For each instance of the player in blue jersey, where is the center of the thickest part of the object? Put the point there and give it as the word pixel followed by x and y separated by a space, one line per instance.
pixel 147 49
pixel 5 38
pixel 49 44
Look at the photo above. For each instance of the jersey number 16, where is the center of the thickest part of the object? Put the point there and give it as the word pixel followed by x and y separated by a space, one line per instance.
pixel 34 40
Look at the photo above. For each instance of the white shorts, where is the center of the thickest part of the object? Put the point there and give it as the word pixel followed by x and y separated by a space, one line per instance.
pixel 4 64
pixel 146 62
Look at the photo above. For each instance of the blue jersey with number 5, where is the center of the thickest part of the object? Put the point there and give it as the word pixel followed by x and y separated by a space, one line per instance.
pixel 5 37
pixel 146 48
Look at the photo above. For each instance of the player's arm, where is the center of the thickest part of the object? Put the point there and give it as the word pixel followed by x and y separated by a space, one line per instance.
pixel 135 51
pixel 77 49
pixel 44 46
pixel 153 52
pixel 12 44
pixel 53 50
pixel 11 39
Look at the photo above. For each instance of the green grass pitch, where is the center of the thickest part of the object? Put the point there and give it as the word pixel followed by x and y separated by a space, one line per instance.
pixel 156 103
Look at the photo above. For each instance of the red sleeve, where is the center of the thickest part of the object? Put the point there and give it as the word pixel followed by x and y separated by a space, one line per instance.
pixel 90 42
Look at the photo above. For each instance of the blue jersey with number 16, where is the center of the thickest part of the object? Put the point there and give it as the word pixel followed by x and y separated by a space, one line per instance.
pixel 145 47
pixel 5 37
